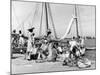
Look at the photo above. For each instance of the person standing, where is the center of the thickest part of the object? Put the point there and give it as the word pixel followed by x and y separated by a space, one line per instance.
pixel 13 41
pixel 29 44
pixel 21 39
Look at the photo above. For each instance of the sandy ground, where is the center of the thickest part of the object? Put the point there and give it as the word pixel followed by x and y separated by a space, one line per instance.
pixel 20 65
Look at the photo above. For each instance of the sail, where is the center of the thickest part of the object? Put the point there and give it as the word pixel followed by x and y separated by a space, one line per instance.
pixel 68 29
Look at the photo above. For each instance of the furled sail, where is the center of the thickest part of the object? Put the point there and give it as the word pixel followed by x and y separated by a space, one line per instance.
pixel 68 29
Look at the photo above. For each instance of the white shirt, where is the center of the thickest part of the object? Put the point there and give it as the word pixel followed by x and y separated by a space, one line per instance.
pixel 73 43
pixel 21 40
pixel 44 47
pixel 29 45
pixel 59 48
pixel 82 42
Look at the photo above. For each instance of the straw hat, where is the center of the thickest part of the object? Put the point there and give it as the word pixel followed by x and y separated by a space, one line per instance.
pixel 31 29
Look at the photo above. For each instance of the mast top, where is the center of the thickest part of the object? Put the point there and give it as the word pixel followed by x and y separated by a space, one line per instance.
pixel 76 20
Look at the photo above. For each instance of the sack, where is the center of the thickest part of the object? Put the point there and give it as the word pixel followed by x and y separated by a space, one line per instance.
pixel 83 63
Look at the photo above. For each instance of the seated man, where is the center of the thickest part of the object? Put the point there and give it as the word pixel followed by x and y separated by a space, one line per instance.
pixel 73 43
pixel 74 49
pixel 77 45
pixel 43 49
pixel 82 46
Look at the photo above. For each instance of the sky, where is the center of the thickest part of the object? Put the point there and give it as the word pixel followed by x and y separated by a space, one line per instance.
pixel 28 14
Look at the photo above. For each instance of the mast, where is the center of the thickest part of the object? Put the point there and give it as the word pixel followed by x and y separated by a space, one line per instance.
pixel 49 10
pixel 41 21
pixel 46 17
pixel 76 20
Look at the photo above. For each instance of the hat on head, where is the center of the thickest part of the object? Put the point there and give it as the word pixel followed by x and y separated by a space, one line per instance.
pixel 14 31
pixel 20 31
pixel 48 32
pixel 33 34
pixel 31 29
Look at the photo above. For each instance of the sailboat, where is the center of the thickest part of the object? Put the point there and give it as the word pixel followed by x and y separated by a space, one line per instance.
pixel 46 12
pixel 47 9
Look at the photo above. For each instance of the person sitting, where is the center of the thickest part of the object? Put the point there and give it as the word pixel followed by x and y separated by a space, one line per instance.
pixel 82 46
pixel 69 59
pixel 74 49
pixel 52 53
pixel 83 63
pixel 59 48
pixel 73 43
pixel 44 49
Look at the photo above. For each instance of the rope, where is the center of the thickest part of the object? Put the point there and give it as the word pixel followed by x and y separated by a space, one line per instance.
pixel 79 21
pixel 50 13
pixel 36 10
pixel 41 21
pixel 20 24
pixel 15 15
pixel 25 21
pixel 68 29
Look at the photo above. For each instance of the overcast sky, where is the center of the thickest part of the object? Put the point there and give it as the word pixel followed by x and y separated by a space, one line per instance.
pixel 23 17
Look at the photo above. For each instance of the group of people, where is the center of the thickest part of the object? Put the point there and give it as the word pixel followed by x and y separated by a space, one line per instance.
pixel 76 53
pixel 72 53
pixel 18 41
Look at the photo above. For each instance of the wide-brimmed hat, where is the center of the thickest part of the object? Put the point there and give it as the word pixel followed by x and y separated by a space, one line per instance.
pixel 14 31
pixel 48 32
pixel 20 31
pixel 31 29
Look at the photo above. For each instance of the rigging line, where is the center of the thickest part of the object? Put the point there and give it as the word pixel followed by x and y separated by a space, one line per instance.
pixel 24 20
pixel 79 22
pixel 36 6
pixel 36 11
pixel 27 19
pixel 16 16
pixel 68 28
pixel 50 13
pixel 28 15
pixel 19 24
pixel 41 21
